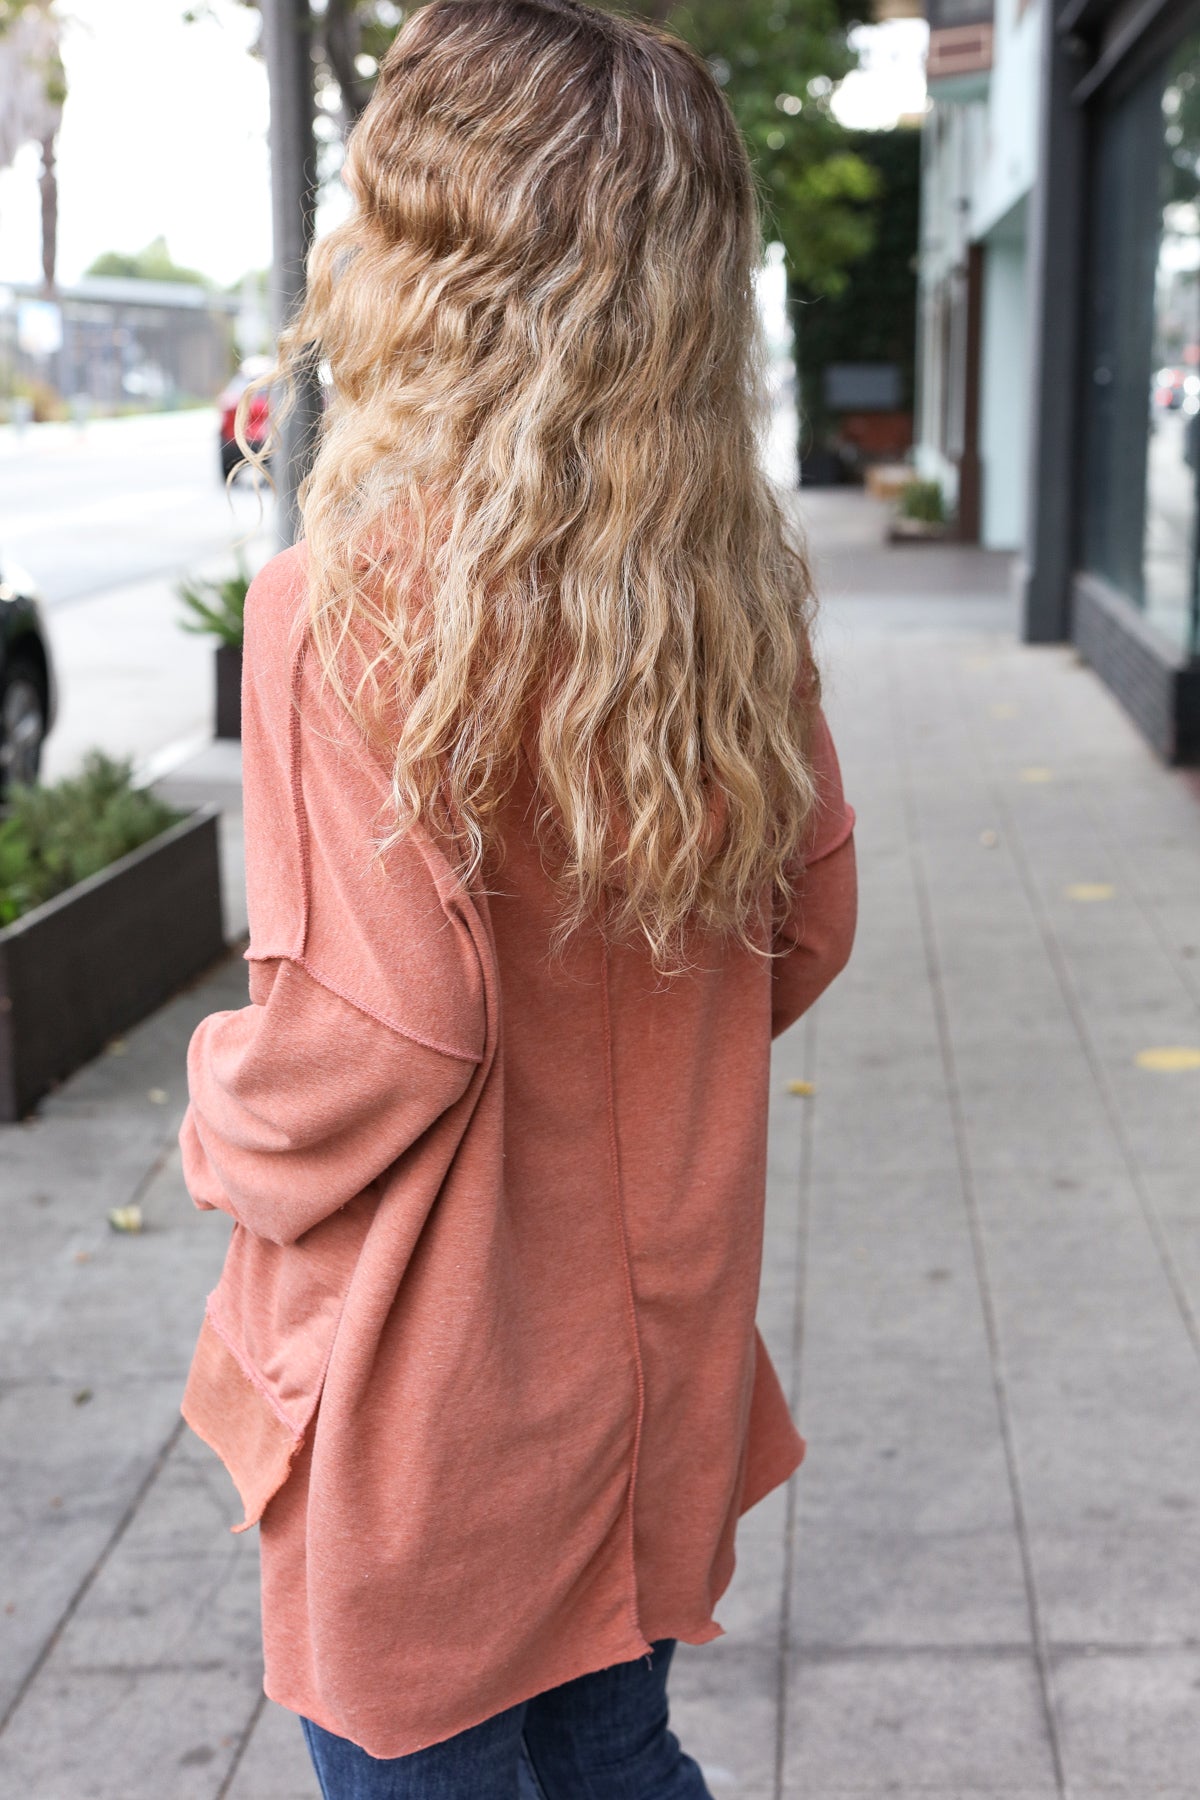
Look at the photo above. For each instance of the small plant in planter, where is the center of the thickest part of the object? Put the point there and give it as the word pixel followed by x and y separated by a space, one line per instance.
pixel 920 513
pixel 110 901
pixel 217 609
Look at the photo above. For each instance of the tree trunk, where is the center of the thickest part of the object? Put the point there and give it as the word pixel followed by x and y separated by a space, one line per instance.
pixel 49 187
pixel 343 41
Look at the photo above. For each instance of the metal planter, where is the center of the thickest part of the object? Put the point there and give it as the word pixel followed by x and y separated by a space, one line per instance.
pixel 96 959
pixel 229 690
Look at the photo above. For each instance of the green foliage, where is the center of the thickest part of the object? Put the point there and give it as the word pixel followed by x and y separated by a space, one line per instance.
pixel 873 316
pixel 922 500
pixel 258 278
pixel 53 837
pixel 33 82
pixel 779 62
pixel 11 10
pixel 154 263
pixel 217 608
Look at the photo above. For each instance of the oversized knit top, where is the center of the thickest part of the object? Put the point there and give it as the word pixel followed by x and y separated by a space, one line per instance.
pixel 482 1360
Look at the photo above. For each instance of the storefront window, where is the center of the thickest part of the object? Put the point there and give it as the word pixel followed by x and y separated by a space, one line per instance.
pixel 1142 458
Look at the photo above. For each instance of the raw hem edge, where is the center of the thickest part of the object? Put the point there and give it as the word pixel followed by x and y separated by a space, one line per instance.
pixel 766 1483
pixel 228 1412
pixel 588 1666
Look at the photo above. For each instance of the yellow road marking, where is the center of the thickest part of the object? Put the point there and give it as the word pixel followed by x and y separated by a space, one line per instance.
pixel 1169 1059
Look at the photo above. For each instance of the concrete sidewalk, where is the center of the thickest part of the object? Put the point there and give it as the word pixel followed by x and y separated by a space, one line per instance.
pixel 982 1283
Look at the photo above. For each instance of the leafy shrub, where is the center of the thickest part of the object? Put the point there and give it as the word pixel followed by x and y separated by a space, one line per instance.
pixel 52 837
pixel 217 608
pixel 45 401
pixel 923 500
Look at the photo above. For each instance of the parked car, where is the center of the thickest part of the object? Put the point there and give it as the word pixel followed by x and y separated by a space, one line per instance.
pixel 27 687
pixel 1173 388
pixel 257 422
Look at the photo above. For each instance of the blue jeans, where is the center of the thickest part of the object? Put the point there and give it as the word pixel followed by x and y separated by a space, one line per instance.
pixel 603 1736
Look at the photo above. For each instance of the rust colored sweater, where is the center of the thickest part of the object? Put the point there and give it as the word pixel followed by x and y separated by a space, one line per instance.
pixel 482 1360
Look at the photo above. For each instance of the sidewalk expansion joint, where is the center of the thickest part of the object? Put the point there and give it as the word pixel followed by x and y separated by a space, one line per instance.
pixel 970 1199
pixel 785 1646
pixel 123 1523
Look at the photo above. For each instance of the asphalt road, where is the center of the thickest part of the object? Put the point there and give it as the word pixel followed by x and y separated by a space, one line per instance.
pixel 118 500
pixel 107 518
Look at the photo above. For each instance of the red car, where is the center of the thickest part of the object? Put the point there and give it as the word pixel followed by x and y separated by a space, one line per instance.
pixel 258 422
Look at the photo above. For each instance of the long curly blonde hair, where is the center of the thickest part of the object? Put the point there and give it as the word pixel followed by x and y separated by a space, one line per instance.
pixel 536 514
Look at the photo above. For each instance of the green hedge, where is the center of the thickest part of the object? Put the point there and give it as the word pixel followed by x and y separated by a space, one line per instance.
pixel 52 837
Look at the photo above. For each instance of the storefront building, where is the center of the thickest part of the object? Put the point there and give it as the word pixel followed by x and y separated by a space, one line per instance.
pixel 1112 557
pixel 979 166
pixel 1059 373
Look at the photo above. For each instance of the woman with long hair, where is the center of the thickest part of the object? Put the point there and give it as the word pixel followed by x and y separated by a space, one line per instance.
pixel 545 840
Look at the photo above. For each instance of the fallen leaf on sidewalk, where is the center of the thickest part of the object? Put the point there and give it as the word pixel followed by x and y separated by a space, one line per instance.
pixel 802 1088
pixel 989 839
pixel 1004 709
pixel 1036 775
pixel 126 1218
pixel 81 1396
pixel 83 1256
pixel 118 1047
pixel 1169 1059
pixel 1087 891
pixel 159 1096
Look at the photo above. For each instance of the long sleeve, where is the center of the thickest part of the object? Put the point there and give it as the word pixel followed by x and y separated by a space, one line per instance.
pixel 367 1013
pixel 301 1102
pixel 814 939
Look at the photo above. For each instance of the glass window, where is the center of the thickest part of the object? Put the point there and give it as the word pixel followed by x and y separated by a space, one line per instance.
pixel 1141 511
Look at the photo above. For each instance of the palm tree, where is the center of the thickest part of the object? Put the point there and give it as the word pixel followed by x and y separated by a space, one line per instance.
pixel 34 87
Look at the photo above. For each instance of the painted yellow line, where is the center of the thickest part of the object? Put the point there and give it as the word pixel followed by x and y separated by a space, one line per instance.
pixel 1169 1059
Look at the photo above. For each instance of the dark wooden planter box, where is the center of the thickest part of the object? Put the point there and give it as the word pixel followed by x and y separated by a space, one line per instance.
pixel 93 961
pixel 229 690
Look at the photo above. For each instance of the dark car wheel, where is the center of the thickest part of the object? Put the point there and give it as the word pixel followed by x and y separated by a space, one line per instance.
pixel 22 721
pixel 232 458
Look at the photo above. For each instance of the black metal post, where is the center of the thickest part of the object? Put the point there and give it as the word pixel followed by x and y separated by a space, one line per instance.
pixel 1055 297
pixel 287 30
